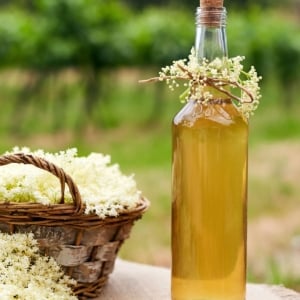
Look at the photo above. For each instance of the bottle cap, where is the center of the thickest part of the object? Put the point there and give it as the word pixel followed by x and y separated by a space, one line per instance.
pixel 211 3
pixel 211 13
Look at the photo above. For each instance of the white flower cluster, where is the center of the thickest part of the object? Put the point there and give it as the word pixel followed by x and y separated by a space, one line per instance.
pixel 104 189
pixel 220 75
pixel 26 275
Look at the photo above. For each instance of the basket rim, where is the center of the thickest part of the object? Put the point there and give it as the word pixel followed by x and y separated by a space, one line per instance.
pixel 15 215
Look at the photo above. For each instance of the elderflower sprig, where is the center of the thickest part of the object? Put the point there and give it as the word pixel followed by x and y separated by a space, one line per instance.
pixel 25 274
pixel 221 74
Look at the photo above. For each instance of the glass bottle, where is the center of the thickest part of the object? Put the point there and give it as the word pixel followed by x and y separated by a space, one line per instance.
pixel 209 183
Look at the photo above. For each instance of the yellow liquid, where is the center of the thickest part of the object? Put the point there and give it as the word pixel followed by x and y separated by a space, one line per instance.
pixel 209 190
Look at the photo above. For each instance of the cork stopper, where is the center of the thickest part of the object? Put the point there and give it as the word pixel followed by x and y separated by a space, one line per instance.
pixel 211 3
pixel 211 13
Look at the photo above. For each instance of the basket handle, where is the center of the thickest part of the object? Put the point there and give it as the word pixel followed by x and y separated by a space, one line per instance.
pixel 52 168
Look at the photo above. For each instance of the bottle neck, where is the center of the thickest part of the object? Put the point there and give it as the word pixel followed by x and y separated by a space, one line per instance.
pixel 211 41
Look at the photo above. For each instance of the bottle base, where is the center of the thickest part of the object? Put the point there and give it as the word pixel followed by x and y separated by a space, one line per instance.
pixel 187 289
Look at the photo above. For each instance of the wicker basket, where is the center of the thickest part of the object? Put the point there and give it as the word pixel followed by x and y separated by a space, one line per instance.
pixel 84 245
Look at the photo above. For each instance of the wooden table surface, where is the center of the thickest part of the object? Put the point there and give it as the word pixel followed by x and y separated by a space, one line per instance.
pixel 133 281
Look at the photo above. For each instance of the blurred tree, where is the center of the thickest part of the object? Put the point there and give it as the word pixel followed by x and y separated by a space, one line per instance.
pixel 287 60
pixel 157 36
pixel 77 33
pixel 47 36
pixel 273 47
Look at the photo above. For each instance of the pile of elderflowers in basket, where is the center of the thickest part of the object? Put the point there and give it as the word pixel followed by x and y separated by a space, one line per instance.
pixel 103 188
pixel 26 275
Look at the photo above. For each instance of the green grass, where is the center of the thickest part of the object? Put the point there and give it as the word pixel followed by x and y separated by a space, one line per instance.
pixel 125 124
pixel 274 275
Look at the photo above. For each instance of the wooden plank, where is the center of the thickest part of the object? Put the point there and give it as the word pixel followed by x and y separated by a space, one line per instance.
pixel 132 281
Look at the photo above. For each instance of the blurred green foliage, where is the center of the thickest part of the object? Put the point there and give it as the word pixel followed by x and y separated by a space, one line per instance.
pixel 54 34
pixel 159 35
pixel 95 35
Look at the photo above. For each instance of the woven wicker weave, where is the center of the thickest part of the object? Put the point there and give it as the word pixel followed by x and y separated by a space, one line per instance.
pixel 84 245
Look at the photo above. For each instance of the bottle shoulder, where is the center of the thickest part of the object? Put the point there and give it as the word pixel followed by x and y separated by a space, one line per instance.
pixel 219 112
